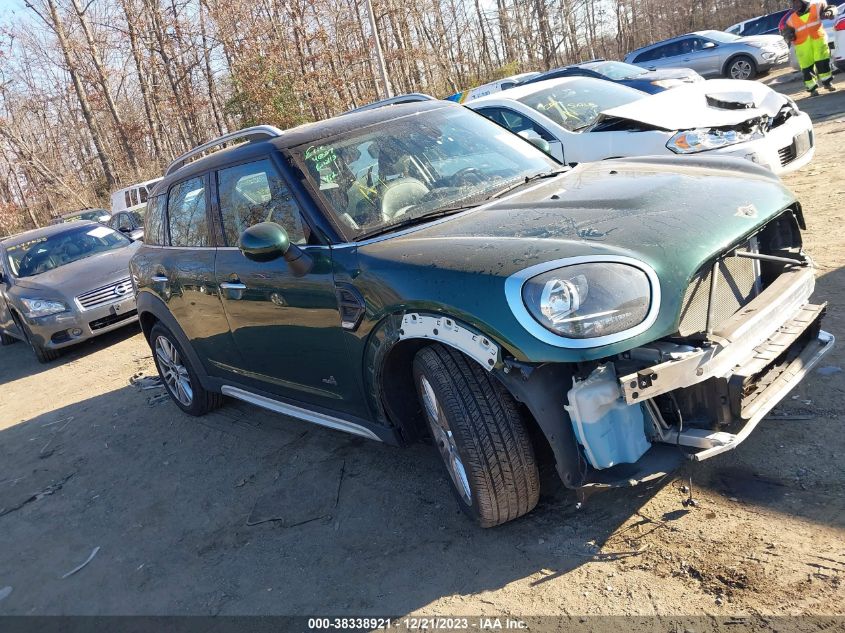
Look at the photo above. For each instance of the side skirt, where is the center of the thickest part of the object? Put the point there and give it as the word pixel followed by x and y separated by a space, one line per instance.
pixel 309 415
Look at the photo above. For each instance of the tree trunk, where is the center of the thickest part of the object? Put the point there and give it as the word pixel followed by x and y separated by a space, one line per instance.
pixel 104 84
pixel 56 24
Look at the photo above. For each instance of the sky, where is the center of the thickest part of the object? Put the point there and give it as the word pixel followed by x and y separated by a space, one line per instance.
pixel 11 7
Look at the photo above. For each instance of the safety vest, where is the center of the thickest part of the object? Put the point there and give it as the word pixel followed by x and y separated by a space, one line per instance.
pixel 811 28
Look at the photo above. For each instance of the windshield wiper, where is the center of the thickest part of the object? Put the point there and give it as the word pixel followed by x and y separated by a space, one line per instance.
pixel 527 179
pixel 413 221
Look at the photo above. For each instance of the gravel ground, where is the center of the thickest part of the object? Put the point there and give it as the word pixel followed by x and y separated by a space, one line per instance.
pixel 177 508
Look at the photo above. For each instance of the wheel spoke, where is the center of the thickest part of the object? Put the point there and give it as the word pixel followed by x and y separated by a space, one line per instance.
pixel 442 434
pixel 174 374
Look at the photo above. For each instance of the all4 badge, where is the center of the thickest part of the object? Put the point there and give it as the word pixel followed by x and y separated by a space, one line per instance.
pixel 747 211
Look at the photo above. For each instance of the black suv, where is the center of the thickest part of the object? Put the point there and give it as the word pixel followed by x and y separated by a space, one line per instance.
pixel 416 271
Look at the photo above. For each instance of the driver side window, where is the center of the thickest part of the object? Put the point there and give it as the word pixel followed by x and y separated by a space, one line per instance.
pixel 253 193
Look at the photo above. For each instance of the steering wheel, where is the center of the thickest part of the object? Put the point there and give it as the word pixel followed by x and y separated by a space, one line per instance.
pixel 467 176
pixel 399 195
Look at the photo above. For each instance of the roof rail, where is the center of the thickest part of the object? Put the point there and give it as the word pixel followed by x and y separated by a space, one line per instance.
pixel 411 97
pixel 255 133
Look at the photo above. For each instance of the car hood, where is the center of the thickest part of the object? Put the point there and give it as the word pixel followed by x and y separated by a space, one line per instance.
pixel 82 275
pixel 673 214
pixel 713 103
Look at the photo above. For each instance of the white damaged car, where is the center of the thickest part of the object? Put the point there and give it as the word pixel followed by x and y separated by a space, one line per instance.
pixel 583 119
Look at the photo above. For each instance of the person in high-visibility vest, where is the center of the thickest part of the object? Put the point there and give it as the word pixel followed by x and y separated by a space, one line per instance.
pixel 805 31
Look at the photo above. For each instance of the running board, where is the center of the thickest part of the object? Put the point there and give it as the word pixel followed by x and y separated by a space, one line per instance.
pixel 298 412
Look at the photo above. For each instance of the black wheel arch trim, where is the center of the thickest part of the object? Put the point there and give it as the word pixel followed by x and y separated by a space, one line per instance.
pixel 540 388
pixel 149 304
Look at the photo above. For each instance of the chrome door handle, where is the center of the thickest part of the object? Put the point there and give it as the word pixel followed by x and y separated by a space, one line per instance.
pixel 229 285
pixel 160 279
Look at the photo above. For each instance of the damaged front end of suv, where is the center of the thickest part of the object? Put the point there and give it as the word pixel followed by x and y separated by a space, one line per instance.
pixel 744 333
pixel 643 311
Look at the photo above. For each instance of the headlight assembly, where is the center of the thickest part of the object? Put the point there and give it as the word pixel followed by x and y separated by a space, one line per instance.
pixel 42 307
pixel 589 300
pixel 701 140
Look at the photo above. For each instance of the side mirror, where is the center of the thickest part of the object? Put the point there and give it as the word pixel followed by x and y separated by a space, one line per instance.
pixel 709 45
pixel 266 241
pixel 536 140
pixel 125 230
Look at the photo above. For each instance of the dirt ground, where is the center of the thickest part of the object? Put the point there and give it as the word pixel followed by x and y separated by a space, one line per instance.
pixel 179 508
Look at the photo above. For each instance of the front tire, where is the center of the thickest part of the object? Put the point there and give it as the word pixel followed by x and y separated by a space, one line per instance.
pixel 481 435
pixel 5 339
pixel 741 67
pixel 42 354
pixel 179 376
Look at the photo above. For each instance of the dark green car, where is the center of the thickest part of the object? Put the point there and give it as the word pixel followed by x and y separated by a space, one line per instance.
pixel 417 272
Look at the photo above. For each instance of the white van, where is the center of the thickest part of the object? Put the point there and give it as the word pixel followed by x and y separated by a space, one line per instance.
pixel 133 197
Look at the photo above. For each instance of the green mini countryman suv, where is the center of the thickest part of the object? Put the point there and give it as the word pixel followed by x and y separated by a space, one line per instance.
pixel 416 272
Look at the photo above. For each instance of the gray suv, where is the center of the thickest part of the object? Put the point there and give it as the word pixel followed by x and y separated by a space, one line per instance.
pixel 63 284
pixel 715 54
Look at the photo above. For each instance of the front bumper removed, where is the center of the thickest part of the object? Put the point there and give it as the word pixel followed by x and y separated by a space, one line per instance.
pixel 756 358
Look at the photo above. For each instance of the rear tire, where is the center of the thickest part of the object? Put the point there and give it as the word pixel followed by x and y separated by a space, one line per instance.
pixel 741 67
pixel 178 375
pixel 481 435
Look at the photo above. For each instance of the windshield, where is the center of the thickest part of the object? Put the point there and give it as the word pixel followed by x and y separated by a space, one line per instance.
pixel 397 171
pixel 40 254
pixel 721 36
pixel 616 70
pixel 576 103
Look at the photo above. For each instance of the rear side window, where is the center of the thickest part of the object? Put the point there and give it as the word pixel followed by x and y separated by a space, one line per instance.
pixel 142 192
pixel 655 53
pixel 154 221
pixel 127 199
pixel 186 216
pixel 253 193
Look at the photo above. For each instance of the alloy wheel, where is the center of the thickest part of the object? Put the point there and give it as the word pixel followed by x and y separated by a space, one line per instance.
pixel 445 440
pixel 741 69
pixel 173 372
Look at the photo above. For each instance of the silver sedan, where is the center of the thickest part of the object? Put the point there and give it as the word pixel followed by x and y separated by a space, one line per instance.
pixel 63 284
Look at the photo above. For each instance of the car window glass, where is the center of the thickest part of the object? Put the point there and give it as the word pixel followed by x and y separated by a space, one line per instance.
pixel 125 222
pixel 186 214
pixel 254 193
pixel 381 176
pixel 27 259
pixel 142 192
pixel 578 103
pixel 655 53
pixel 617 70
pixel 154 221
pixel 126 199
pixel 515 122
pixel 673 49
